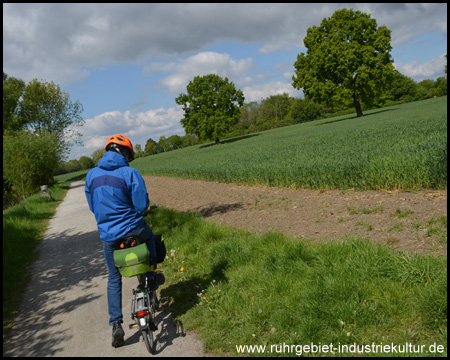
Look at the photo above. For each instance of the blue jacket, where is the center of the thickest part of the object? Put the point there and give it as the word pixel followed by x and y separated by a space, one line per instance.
pixel 117 196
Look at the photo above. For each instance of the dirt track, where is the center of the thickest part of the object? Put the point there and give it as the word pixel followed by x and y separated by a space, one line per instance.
pixel 402 220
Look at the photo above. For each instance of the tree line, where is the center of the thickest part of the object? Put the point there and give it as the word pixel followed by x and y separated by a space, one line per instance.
pixel 283 110
pixel 277 111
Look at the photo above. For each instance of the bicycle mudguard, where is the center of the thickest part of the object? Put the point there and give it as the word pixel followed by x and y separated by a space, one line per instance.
pixel 132 261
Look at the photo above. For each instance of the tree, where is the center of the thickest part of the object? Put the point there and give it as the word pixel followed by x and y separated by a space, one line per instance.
pixel 86 163
pixel 97 155
pixel 189 140
pixel 441 86
pixel 37 121
pixel 249 114
pixel 12 92
pixel 138 152
pixel 303 110
pixel 403 88
pixel 347 60
pixel 47 109
pixel 29 160
pixel 211 106
pixel 176 140
pixel 274 109
pixel 150 146
pixel 164 143
pixel 74 165
pixel 432 88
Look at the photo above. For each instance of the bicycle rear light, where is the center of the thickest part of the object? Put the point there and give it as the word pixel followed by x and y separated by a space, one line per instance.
pixel 141 313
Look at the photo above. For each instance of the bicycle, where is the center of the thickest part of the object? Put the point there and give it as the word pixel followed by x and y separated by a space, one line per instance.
pixel 132 259
pixel 143 310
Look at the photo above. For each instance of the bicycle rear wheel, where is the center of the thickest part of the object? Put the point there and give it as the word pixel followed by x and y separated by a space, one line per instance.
pixel 147 334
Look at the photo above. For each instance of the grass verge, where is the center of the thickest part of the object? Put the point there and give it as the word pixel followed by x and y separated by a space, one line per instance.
pixel 24 226
pixel 236 288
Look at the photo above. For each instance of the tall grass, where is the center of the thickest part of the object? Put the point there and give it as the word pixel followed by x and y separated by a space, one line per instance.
pixel 24 226
pixel 236 288
pixel 398 147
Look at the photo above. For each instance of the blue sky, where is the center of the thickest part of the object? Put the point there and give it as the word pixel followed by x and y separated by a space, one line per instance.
pixel 126 63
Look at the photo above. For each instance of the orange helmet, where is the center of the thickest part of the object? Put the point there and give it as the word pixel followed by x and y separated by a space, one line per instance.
pixel 122 145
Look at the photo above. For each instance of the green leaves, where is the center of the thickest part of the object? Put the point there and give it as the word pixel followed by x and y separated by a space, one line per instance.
pixel 38 123
pixel 12 91
pixel 347 60
pixel 211 106
pixel 41 107
pixel 46 108
pixel 29 160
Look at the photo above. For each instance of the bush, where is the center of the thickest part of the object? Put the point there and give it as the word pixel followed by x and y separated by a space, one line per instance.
pixel 29 160
pixel 304 110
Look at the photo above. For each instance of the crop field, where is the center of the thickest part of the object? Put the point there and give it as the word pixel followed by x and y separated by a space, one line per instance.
pixel 400 147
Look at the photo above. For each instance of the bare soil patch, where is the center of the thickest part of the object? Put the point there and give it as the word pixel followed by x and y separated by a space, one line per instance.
pixel 405 221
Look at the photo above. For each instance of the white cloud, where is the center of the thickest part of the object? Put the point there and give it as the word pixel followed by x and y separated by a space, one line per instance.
pixel 137 126
pixel 63 41
pixel 288 76
pixel 407 20
pixel 256 93
pixel 184 70
pixel 430 70
pixel 260 76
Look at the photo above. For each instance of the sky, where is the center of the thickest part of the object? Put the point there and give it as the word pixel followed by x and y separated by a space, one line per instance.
pixel 126 63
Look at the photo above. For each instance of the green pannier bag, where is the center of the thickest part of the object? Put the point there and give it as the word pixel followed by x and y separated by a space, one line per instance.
pixel 132 261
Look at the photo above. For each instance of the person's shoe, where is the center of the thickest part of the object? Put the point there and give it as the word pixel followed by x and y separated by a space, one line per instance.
pixel 118 335
pixel 160 278
pixel 151 281
pixel 154 279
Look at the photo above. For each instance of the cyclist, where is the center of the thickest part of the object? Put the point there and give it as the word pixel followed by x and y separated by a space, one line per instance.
pixel 117 196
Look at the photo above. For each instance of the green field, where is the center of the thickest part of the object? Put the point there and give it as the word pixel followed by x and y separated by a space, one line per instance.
pixel 398 147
